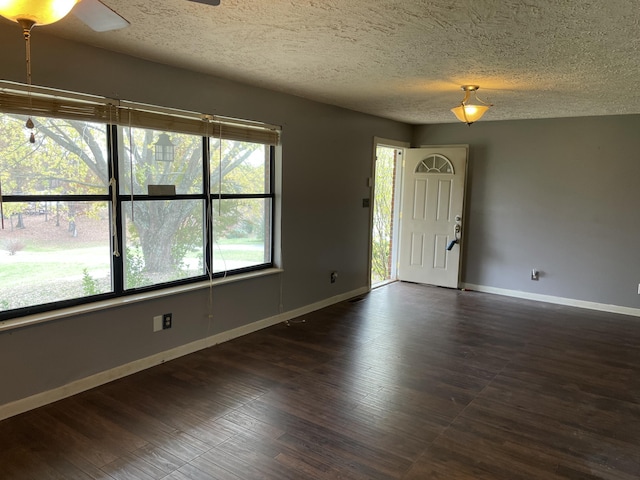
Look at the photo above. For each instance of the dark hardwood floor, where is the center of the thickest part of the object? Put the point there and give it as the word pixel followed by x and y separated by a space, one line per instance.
pixel 411 382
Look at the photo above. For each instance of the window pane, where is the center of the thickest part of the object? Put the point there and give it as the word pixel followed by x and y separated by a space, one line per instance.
pixel 178 162
pixel 68 157
pixel 163 241
pixel 242 233
pixel 53 251
pixel 245 167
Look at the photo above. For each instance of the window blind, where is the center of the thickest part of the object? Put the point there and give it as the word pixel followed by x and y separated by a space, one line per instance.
pixel 51 103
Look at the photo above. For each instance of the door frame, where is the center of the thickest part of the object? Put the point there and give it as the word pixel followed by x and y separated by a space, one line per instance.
pixel 385 142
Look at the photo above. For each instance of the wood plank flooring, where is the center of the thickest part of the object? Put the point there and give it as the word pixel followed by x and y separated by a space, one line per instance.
pixel 409 382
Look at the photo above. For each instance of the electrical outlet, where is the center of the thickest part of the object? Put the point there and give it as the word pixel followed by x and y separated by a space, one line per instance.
pixel 334 277
pixel 166 320
pixel 157 323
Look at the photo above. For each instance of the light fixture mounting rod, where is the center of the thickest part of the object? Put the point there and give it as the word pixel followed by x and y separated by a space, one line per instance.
pixel 27 25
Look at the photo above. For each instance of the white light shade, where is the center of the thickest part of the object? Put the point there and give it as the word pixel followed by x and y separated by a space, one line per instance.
pixel 40 12
pixel 469 113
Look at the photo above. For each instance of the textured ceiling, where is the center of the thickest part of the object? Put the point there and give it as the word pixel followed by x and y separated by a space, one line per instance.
pixel 399 59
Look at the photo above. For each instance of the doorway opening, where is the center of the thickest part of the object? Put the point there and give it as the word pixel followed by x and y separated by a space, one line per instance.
pixel 386 204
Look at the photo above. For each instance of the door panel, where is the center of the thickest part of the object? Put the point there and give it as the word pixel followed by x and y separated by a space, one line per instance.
pixel 417 249
pixel 420 200
pixel 433 197
pixel 443 208
pixel 440 251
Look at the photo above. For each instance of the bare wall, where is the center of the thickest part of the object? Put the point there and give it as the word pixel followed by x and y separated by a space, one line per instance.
pixel 560 195
pixel 326 158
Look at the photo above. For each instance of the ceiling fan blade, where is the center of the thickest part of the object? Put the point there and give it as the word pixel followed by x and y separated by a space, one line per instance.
pixel 98 16
pixel 207 2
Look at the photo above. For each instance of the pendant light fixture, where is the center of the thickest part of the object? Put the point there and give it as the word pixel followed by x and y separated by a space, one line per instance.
pixel 467 112
pixel 28 13
pixel 35 12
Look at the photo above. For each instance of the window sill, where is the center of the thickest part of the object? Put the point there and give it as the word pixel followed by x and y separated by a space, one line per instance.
pixel 29 320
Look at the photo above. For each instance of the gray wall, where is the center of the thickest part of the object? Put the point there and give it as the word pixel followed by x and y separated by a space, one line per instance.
pixel 326 155
pixel 560 195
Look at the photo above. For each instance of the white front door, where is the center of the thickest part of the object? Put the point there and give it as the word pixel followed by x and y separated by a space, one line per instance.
pixel 432 208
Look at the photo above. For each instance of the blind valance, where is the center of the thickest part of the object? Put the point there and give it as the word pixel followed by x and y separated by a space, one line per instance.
pixel 51 103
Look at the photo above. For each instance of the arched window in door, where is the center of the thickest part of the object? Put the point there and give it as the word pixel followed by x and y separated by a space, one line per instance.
pixel 435 164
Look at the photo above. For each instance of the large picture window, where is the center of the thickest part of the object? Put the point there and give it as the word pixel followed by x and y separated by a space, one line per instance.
pixel 97 209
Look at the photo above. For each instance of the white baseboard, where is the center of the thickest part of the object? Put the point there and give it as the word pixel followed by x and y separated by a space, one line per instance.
pixel 40 399
pixel 602 307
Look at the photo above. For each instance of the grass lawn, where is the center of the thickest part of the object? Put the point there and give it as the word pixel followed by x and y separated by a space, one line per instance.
pixel 40 274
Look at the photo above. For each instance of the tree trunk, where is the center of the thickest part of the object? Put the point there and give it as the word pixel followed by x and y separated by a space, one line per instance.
pixel 157 226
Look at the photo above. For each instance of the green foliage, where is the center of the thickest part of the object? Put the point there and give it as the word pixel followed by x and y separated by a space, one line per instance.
pixel 68 157
pixel 225 214
pixel 134 269
pixel 382 215
pixel 188 238
pixel 243 171
pixel 89 284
